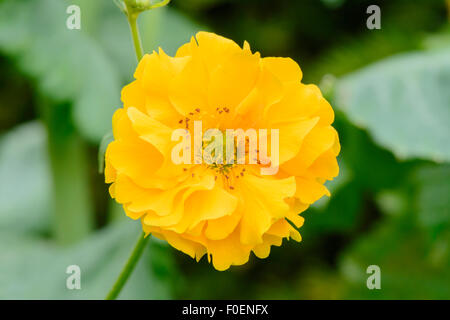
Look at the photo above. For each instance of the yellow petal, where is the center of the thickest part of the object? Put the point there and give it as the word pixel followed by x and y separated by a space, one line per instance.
pixel 286 69
pixel 228 252
pixel 191 248
pixel 141 66
pixel 188 90
pixel 133 95
pixel 309 191
pixel 232 81
pixel 317 142
pixel 219 203
pixel 187 49
pixel 325 112
pixel 139 160
pixel 133 215
pixel 110 172
pixel 158 72
pixel 299 102
pixel 295 218
pixel 263 202
pixel 162 203
pixel 325 166
pixel 214 49
pixel 218 229
pixel 267 91
pixel 262 250
pixel 291 136
pixel 121 125
pixel 280 228
pixel 151 130
pixel 160 109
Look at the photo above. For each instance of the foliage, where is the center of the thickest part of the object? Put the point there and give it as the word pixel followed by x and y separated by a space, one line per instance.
pixel 404 103
pixel 389 206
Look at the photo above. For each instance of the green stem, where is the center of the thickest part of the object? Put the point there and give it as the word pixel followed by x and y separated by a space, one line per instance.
pixel 140 245
pixel 72 206
pixel 128 268
pixel 132 20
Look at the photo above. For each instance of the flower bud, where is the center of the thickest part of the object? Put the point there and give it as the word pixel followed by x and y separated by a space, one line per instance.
pixel 138 5
pixel 135 7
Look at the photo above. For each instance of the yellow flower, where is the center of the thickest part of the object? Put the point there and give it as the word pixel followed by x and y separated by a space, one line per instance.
pixel 223 210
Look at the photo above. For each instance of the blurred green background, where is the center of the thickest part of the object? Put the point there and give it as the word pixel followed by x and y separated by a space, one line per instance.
pixel 390 204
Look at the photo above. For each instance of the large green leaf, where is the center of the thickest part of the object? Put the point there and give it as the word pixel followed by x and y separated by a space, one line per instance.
pixel 67 64
pixel 32 268
pixel 85 67
pixel 404 102
pixel 25 184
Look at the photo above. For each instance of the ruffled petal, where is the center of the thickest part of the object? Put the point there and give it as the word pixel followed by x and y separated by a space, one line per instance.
pixel 264 201
pixel 286 69
pixel 224 212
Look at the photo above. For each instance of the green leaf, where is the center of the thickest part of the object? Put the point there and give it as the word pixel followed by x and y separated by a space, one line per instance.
pixel 25 184
pixel 403 102
pixel 408 271
pixel 85 67
pixel 372 167
pixel 35 269
pixel 432 198
pixel 67 64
